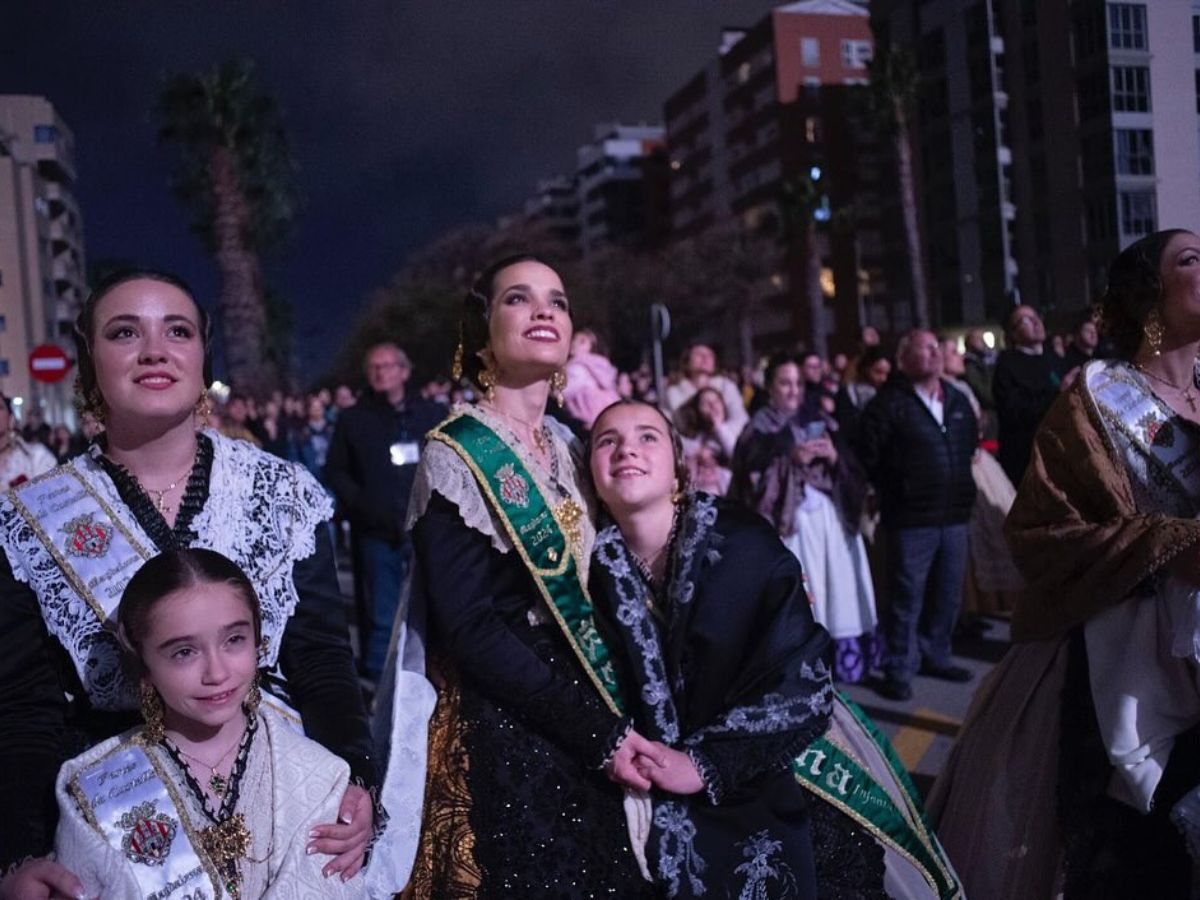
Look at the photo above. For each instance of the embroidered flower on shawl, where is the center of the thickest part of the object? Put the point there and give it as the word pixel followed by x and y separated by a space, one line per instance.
pixel 762 867
pixel 677 856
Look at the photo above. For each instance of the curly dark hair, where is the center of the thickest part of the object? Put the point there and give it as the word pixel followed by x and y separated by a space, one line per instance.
pixel 85 322
pixel 1134 288
pixel 477 308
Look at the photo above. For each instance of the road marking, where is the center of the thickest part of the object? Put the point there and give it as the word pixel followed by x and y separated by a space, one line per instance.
pixel 913 742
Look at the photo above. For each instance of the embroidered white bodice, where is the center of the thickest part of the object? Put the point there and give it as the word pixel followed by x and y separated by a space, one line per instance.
pixel 261 512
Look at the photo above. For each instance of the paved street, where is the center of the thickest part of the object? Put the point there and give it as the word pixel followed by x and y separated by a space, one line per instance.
pixel 922 729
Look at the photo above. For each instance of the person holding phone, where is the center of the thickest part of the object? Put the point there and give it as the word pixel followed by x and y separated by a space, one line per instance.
pixel 791 466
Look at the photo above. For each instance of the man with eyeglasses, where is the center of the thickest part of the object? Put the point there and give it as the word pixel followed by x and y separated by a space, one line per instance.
pixel 1024 385
pixel 370 468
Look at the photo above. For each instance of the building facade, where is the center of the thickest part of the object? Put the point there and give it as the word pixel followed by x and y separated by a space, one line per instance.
pixel 42 280
pixel 1049 134
pixel 776 121
pixel 621 178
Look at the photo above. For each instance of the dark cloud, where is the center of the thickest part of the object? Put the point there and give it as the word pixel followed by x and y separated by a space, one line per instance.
pixel 406 117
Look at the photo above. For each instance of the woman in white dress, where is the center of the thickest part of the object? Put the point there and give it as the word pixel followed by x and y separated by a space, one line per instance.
pixel 791 466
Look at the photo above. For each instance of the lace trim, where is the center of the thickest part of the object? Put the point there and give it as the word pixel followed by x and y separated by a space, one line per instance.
pixel 261 512
pixel 714 785
pixel 277 507
pixel 633 614
pixel 614 742
pixel 195 494
pixel 777 712
pixel 441 470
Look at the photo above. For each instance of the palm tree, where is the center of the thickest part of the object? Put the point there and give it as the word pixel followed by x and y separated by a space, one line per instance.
pixel 236 176
pixel 894 83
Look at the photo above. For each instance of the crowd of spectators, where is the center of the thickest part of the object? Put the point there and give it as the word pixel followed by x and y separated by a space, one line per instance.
pixel 888 471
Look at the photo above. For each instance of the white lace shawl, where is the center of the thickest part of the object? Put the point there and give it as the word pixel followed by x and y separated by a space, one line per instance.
pixel 442 470
pixel 261 512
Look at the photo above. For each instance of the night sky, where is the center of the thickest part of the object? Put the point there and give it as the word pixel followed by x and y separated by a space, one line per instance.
pixel 406 118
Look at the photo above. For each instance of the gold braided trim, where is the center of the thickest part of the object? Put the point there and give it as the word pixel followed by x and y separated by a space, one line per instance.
pixel 445 868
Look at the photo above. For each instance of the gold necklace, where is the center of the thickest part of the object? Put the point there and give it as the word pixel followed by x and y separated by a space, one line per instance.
pixel 217 782
pixel 1186 392
pixel 539 434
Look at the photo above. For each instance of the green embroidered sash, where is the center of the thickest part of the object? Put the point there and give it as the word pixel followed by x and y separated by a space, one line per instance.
pixel 832 774
pixel 537 532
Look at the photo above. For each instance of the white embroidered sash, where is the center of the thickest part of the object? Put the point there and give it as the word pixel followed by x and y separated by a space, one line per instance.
pixel 261 512
pixel 1146 692
pixel 136 808
pixel 1129 408
pixel 96 551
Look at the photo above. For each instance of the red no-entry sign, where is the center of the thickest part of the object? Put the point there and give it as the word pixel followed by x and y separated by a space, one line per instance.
pixel 48 363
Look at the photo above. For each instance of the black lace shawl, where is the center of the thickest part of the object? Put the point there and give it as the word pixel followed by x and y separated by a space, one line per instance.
pixel 737 675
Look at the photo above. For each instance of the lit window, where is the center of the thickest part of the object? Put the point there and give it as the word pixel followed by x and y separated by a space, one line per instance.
pixel 810 52
pixel 1131 89
pixel 1127 26
pixel 1138 212
pixel 743 74
pixel 856 54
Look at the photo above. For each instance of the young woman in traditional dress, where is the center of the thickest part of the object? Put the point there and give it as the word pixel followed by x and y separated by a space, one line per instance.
pixel 153 482
pixel 791 466
pixel 215 795
pixel 528 717
pixel 769 785
pixel 1084 743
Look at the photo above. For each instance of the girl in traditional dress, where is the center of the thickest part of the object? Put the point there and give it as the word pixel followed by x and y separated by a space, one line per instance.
pixel 792 467
pixel 150 483
pixel 1084 742
pixel 768 785
pixel 528 717
pixel 215 795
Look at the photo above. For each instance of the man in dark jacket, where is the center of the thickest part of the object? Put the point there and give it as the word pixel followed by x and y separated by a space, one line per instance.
pixel 370 468
pixel 917 437
pixel 1025 384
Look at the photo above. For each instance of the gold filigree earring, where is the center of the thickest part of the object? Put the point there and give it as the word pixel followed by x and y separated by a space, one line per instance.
pixel 1153 331
pixel 456 367
pixel 152 712
pixel 254 697
pixel 203 409
pixel 558 384
pixel 487 381
pixel 90 402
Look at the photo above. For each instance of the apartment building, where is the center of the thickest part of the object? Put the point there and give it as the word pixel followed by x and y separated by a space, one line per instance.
pixel 42 283
pixel 781 105
pixel 1049 135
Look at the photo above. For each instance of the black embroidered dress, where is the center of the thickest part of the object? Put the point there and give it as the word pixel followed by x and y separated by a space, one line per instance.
pixel 733 670
pixel 516 803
